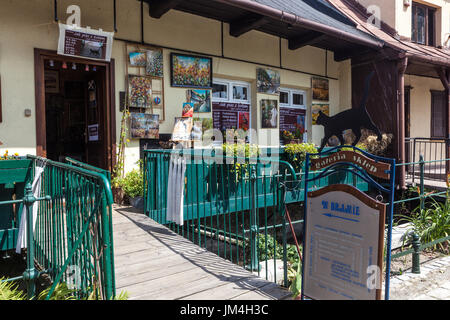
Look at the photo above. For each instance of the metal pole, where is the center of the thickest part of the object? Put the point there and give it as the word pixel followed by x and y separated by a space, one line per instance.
pixel 421 188
pixel 30 274
pixel 416 253
pixel 254 263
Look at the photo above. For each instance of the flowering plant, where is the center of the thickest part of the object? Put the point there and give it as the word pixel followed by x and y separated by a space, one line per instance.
pixel 6 156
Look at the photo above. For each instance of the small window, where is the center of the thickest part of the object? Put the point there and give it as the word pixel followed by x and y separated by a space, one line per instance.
pixel 220 91
pixel 297 99
pixel 423 24
pixel 240 92
pixel 284 97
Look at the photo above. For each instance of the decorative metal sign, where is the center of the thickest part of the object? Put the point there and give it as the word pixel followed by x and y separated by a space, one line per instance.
pixel 344 228
pixel 375 168
pixel 344 239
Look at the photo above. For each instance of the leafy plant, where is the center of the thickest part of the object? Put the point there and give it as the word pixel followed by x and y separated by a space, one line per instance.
pixel 296 154
pixel 10 291
pixel 431 223
pixel 133 183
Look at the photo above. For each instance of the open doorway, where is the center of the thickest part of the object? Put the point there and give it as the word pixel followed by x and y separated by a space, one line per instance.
pixel 74 109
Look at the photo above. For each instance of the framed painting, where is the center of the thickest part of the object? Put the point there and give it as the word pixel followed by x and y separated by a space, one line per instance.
pixel 139 91
pixel 320 89
pixel 269 114
pixel 201 99
pixel 144 125
pixel 155 65
pixel 138 59
pixel 190 71
pixel 268 81
pixel 316 108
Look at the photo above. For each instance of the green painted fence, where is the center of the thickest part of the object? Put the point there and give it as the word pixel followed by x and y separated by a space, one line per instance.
pixel 233 206
pixel 72 241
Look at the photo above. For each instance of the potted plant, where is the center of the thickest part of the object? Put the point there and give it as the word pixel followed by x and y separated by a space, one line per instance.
pixel 133 187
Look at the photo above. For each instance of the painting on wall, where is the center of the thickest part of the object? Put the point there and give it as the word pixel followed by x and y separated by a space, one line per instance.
pixel 155 64
pixel 267 81
pixel 182 129
pixel 137 59
pixel 201 99
pixel 269 114
pixel 188 110
pixel 320 89
pixel 190 71
pixel 244 120
pixel 139 91
pixel 144 125
pixel 316 107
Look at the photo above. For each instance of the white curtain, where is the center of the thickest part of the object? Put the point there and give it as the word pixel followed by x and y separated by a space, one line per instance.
pixel 175 189
pixel 36 189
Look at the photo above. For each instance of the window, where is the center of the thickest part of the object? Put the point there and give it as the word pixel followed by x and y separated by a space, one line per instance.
pixel 423 24
pixel 438 114
pixel 292 98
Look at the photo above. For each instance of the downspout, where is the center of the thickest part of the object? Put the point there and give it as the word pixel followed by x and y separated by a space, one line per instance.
pixel 293 19
pixel 444 75
pixel 401 67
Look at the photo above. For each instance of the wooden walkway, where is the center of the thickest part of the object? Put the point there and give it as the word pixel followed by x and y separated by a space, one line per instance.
pixel 154 263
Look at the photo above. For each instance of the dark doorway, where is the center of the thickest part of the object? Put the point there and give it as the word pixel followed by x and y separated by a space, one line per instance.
pixel 74 109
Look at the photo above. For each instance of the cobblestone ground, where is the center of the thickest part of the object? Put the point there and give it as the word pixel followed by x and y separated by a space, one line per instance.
pixel 433 282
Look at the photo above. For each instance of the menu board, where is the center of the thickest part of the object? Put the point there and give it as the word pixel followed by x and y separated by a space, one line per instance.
pixel 230 115
pixel 82 42
pixel 343 245
pixel 290 118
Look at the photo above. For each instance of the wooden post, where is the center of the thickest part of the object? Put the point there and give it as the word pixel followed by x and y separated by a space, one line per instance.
pixel 402 65
pixel 444 75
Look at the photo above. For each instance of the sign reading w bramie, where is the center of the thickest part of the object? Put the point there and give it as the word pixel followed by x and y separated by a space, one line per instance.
pixel 344 227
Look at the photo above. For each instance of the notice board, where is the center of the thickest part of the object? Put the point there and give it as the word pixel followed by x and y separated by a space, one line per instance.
pixel 344 235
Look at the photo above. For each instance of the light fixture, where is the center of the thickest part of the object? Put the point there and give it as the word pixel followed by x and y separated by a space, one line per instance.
pixel 87 68
pixel 94 68
pixel 64 65
pixel 51 63
pixel 74 66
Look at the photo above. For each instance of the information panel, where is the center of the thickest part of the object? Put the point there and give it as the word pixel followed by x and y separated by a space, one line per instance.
pixel 230 115
pixel 343 245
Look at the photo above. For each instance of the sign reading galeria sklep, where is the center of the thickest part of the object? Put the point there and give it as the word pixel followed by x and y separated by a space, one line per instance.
pixel 343 245
pixel 85 42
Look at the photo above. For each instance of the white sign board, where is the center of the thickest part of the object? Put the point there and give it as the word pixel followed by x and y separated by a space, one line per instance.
pixel 344 236
pixel 85 42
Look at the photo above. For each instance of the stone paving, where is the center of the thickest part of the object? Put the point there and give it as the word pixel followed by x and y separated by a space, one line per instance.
pixel 433 282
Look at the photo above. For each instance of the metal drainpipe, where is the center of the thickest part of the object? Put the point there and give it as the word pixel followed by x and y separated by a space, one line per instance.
pixel 402 65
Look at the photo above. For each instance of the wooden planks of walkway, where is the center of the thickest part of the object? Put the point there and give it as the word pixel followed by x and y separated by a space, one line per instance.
pixel 154 263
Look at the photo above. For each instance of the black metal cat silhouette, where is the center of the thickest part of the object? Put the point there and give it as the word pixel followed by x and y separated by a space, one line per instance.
pixel 354 119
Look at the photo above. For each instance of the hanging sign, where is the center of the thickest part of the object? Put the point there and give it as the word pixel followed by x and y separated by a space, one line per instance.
pixel 343 245
pixel 93 132
pixel 85 42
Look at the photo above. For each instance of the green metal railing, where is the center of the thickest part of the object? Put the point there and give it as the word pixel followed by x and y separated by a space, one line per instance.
pixel 234 206
pixel 72 239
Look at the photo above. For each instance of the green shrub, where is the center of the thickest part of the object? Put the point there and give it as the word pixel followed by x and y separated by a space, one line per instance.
pixel 133 183
pixel 296 154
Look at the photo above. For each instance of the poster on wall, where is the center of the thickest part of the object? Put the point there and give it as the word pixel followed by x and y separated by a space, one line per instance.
pixel 316 107
pixel 93 132
pixel 292 120
pixel 201 99
pixel 320 89
pixel 267 81
pixel 139 91
pixel 86 43
pixel 230 116
pixel 269 113
pixel 144 125
pixel 190 71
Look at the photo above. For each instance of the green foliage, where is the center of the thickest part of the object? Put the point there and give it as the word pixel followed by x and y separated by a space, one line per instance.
pixel 240 150
pixel 61 292
pixel 431 223
pixel 133 183
pixel 10 291
pixel 296 153
pixel 296 280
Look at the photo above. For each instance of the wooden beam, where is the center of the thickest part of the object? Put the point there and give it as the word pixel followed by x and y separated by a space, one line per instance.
pixel 307 39
pixel 243 25
pixel 157 8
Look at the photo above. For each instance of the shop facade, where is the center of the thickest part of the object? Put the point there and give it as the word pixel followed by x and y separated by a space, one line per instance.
pixel 54 105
